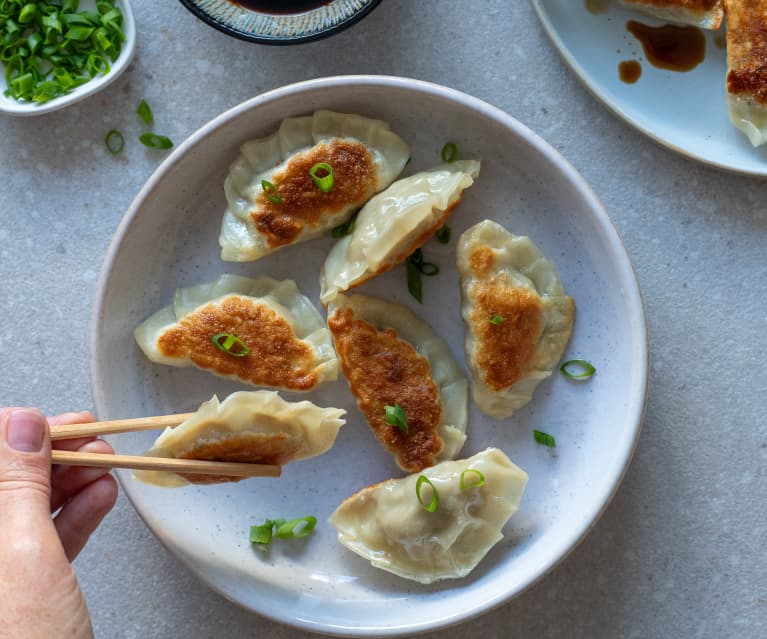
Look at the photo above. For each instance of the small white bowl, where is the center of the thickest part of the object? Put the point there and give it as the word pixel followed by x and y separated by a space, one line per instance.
pixel 14 107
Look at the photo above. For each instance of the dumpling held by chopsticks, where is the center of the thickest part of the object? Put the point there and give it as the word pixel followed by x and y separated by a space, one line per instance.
pixel 257 427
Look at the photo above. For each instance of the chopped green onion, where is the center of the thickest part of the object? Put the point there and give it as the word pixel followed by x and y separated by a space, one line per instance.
pixel 396 416
pixel 230 344
pixel 325 182
pixel 577 369
pixel 342 230
pixel 296 528
pixel 154 141
pixel 414 281
pixel 434 503
pixel 544 438
pixel 443 235
pixel 497 319
pixel 415 268
pixel 271 192
pixel 281 529
pixel 115 142
pixel 145 112
pixel 262 534
pixel 449 152
pixel 429 269
pixel 49 48
pixel 473 483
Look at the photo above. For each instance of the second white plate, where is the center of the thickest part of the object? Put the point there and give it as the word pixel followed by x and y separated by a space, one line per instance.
pixel 685 112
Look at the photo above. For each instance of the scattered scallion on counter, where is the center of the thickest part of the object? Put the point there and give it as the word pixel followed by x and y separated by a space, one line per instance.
pixel 476 479
pixel 271 192
pixel 325 181
pixel 433 504
pixel 544 438
pixel 396 416
pixel 449 152
pixel 282 529
pixel 443 235
pixel 115 142
pixel 230 344
pixel 415 268
pixel 145 112
pixel 577 369
pixel 154 141
pixel 49 48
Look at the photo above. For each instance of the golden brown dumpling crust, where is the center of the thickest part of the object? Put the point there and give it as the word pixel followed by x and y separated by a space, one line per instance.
pixel 303 202
pixel 276 358
pixel 384 370
pixel 691 5
pixel 747 49
pixel 249 448
pixel 505 351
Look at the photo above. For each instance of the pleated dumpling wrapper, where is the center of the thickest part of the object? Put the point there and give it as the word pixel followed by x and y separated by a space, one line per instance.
pixel 517 316
pixel 394 224
pixel 259 331
pixel 256 427
pixel 400 526
pixel 706 14
pixel 407 383
pixel 274 201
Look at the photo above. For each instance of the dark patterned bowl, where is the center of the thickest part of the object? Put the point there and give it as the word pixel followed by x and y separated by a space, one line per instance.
pixel 280 21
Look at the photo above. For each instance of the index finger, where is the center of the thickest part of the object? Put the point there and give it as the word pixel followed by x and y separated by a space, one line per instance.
pixel 65 419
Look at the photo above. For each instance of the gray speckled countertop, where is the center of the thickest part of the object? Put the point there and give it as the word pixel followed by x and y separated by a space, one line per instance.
pixel 680 552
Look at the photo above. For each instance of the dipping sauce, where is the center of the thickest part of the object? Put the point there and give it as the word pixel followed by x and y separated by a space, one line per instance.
pixel 281 6
pixel 670 47
pixel 629 71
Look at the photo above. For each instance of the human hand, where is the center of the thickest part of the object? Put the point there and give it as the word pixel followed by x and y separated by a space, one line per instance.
pixel 39 594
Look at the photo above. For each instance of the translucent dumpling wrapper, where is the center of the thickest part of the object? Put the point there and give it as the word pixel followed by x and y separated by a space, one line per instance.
pixel 517 316
pixel 392 358
pixel 365 157
pixel 277 337
pixel 395 223
pixel 706 14
pixel 387 525
pixel 257 427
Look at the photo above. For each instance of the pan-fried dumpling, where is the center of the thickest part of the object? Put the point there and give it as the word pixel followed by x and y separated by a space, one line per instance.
pixel 707 14
pixel 365 157
pixel 517 316
pixel 257 427
pixel 747 68
pixel 258 331
pixel 392 358
pixel 394 224
pixel 387 525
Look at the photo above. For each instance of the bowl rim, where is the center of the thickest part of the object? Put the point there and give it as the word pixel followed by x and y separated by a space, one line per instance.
pixel 636 408
pixel 193 7
pixel 9 106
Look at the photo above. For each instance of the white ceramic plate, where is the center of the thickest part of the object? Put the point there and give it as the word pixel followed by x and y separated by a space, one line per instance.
pixel 13 107
pixel 168 238
pixel 684 111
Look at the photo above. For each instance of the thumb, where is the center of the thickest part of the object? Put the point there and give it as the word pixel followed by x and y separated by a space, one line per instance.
pixel 25 475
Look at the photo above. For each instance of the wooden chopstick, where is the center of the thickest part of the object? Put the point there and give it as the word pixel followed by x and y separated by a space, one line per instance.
pixel 73 431
pixel 186 466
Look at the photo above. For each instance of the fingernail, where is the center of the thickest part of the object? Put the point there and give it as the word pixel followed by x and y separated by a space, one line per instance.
pixel 26 429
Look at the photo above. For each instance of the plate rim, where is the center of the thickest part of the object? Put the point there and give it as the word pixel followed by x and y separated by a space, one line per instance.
pixel 628 278
pixel 585 79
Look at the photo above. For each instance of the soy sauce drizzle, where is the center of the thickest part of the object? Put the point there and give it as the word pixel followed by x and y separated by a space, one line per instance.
pixel 629 71
pixel 670 47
